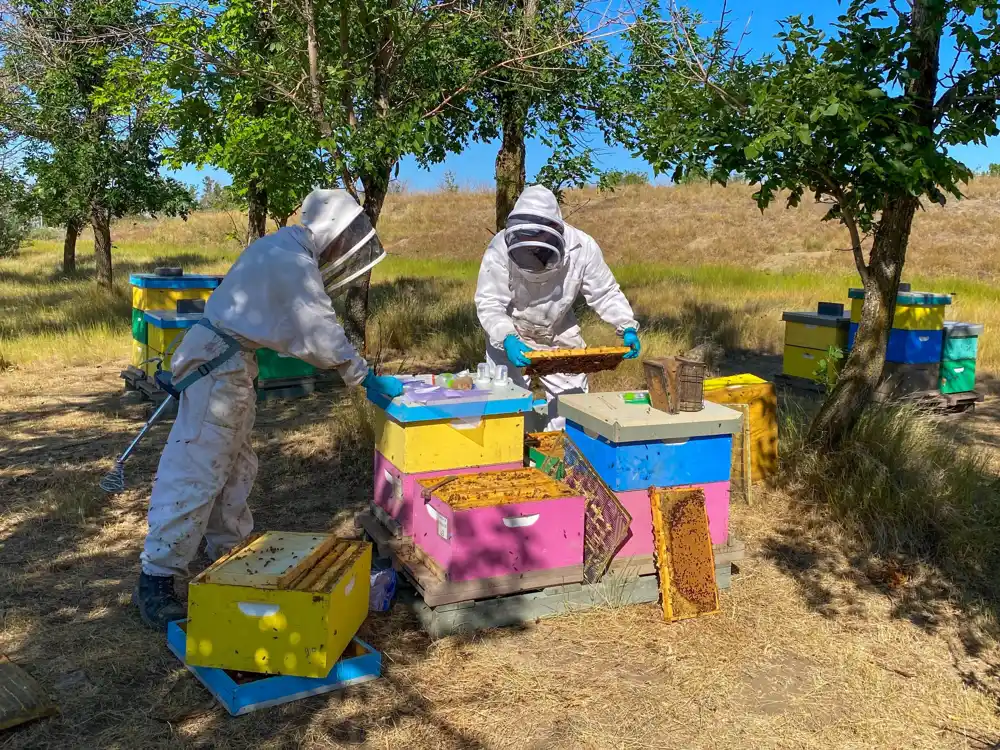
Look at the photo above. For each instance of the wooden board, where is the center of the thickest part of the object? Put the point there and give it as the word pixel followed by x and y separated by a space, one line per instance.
pixel 22 699
pixel 575 361
pixel 683 553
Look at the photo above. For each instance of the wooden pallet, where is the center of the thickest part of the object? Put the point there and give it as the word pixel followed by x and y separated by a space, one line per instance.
pixel 947 403
pixel 435 591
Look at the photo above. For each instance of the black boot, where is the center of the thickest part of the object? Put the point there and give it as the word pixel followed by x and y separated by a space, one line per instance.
pixel 158 606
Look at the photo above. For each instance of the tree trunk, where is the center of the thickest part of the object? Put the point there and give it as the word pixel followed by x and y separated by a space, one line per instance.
pixel 862 371
pixel 100 220
pixel 280 221
pixel 510 172
pixel 257 214
pixel 69 246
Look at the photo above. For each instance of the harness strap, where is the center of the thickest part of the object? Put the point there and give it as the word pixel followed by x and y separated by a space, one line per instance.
pixel 232 348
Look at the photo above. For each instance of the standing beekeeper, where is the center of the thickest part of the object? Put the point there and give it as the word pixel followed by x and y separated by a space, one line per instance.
pixel 530 277
pixel 277 295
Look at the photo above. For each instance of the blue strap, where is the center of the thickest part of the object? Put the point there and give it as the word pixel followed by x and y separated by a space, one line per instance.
pixel 232 347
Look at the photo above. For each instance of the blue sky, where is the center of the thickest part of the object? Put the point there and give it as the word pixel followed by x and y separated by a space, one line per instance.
pixel 474 166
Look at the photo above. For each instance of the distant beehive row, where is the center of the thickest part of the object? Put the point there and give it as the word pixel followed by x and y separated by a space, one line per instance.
pixel 165 307
pixel 925 352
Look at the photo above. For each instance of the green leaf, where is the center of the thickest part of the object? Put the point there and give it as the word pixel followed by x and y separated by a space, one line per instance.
pixel 832 110
pixel 804 135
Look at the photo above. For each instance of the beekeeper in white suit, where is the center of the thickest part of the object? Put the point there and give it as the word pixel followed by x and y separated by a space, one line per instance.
pixel 529 279
pixel 277 295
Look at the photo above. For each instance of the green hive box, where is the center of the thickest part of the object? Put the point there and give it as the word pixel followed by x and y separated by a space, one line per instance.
pixel 958 376
pixel 961 341
pixel 139 326
pixel 272 366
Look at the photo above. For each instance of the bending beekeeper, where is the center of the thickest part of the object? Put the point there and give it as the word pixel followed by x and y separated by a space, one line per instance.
pixel 530 277
pixel 276 295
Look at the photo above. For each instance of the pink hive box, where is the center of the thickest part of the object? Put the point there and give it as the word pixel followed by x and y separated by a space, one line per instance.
pixel 636 502
pixel 472 530
pixel 397 492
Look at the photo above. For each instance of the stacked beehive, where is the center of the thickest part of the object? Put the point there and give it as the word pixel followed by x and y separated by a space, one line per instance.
pixel 959 355
pixel 916 341
pixel 165 307
pixel 482 432
pixel 183 296
pixel 810 336
pixel 634 447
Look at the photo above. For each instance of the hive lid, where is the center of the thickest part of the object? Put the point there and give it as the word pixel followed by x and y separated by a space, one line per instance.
pixel 609 416
pixel 816 319
pixel 956 330
pixel 187 281
pixel 171 318
pixel 284 560
pixel 467 405
pixel 916 299
pixel 732 381
pixel 491 488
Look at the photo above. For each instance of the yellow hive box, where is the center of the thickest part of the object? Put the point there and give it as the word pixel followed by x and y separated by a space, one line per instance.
pixel 815 337
pixel 908 317
pixel 139 354
pixel 151 367
pixel 284 603
pixel 800 362
pixel 163 339
pixel 164 299
pixel 450 444
pixel 762 400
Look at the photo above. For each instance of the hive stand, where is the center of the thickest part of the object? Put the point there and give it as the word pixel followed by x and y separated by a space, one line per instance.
pixel 137 380
pixel 444 607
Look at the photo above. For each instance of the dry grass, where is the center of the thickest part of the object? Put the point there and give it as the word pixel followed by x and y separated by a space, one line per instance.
pixel 818 644
pixel 803 655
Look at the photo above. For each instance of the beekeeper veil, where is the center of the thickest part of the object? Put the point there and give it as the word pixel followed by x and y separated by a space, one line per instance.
pixel 344 240
pixel 534 232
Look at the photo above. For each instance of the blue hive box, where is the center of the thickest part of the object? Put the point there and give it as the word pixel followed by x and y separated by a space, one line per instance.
pixel 909 347
pixel 634 447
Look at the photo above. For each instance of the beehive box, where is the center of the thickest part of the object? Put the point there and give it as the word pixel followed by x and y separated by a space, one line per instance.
pixel 274 366
pixel 904 379
pixel 398 493
pixel 284 603
pixel 799 362
pixel 961 341
pixel 915 311
pixel 478 428
pixel 958 376
pixel 492 524
pixel 634 447
pixel 165 328
pixel 139 326
pixel 153 292
pixel 815 331
pixel 139 354
pixel 909 347
pixel 762 399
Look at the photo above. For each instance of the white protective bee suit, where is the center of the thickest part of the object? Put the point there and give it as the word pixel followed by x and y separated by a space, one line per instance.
pixel 538 306
pixel 272 297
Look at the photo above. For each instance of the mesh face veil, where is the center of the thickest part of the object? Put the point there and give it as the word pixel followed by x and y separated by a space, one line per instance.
pixel 534 243
pixel 354 252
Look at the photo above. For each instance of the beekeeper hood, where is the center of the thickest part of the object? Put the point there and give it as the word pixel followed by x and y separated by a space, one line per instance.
pixel 534 233
pixel 344 241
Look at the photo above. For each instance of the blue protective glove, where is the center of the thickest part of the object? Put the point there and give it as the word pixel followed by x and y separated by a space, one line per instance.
pixel 631 339
pixel 385 384
pixel 515 349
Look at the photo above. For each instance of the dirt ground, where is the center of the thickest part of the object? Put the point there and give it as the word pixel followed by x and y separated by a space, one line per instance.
pixel 808 651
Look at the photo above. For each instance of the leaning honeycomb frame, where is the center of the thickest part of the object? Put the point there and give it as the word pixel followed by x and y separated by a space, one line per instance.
pixel 685 562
